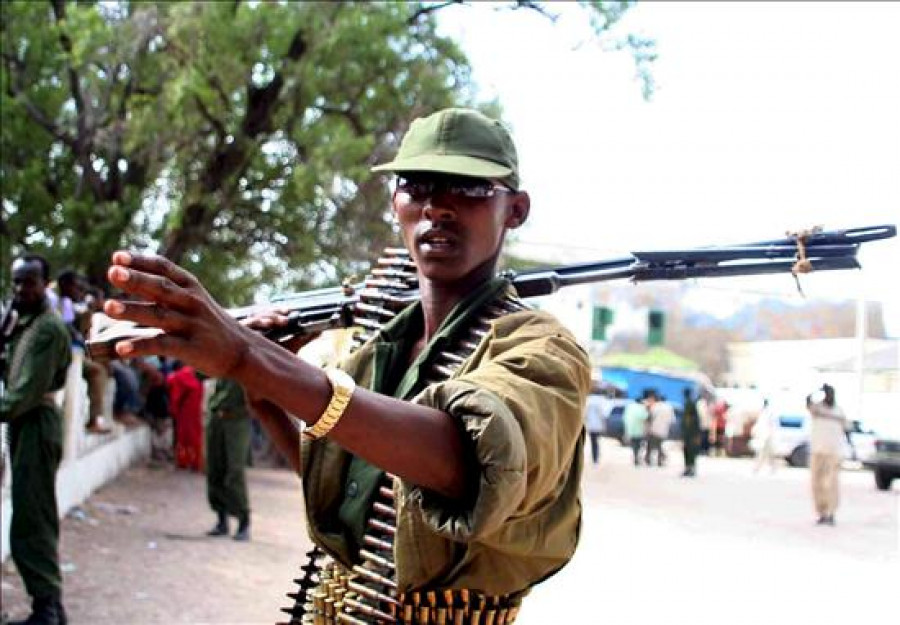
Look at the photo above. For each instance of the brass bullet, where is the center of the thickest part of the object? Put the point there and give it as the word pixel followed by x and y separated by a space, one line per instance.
pixel 368 610
pixel 343 617
pixel 372 593
pixel 375 577
pixel 384 510
pixel 376 559
pixel 381 526
pixel 378 543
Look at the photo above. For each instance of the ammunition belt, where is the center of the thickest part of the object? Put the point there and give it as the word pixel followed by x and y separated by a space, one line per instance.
pixel 367 593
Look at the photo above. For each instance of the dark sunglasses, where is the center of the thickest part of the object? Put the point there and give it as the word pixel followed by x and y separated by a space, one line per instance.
pixel 420 189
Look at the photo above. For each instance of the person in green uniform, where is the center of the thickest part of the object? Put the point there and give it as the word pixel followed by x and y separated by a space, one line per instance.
pixel 37 357
pixel 485 462
pixel 227 448
pixel 690 433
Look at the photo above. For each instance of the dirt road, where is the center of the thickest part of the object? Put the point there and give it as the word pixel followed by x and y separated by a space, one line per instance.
pixel 136 553
pixel 729 546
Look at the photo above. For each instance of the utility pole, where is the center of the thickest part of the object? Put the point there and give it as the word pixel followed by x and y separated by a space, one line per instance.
pixel 860 351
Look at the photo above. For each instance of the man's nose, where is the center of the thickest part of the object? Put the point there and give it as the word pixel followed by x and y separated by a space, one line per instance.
pixel 438 210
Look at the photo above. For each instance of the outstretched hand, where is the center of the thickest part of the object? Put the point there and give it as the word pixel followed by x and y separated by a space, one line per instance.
pixel 196 330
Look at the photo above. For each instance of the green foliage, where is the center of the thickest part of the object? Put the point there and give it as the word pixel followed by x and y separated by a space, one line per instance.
pixel 655 358
pixel 233 137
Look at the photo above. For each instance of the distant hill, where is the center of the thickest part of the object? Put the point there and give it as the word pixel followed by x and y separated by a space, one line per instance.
pixel 701 337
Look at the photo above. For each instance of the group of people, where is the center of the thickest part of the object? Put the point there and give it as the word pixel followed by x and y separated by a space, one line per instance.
pixel 647 421
pixel 38 333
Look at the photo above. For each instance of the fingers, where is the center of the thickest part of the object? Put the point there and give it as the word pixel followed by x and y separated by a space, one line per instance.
pixel 147 314
pixel 159 265
pixel 150 287
pixel 156 279
pixel 158 345
pixel 266 320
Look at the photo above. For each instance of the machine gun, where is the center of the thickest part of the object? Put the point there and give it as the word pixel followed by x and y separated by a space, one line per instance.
pixel 393 284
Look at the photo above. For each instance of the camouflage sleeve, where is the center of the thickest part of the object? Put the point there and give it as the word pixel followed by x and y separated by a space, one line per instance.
pixel 522 414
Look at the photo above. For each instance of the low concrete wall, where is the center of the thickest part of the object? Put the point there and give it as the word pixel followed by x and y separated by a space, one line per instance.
pixel 89 460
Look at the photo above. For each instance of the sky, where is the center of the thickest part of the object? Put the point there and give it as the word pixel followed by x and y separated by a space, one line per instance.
pixel 767 118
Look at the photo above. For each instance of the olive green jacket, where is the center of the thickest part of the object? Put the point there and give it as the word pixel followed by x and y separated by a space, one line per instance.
pixel 519 399
pixel 228 400
pixel 38 358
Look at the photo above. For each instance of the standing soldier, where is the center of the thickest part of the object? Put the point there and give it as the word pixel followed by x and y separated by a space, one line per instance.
pixel 38 355
pixel 690 433
pixel 227 447
pixel 469 483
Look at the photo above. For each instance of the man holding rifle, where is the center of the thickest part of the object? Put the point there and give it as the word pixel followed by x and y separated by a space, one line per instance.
pixel 483 464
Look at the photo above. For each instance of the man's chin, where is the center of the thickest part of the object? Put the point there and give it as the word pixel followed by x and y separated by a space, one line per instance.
pixel 24 307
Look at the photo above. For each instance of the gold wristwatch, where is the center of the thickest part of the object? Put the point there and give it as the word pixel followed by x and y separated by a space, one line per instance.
pixel 342 387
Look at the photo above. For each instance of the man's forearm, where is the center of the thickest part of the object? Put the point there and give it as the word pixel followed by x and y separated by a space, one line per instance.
pixel 282 431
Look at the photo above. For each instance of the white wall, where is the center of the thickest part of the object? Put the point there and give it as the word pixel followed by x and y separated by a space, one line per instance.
pixel 89 460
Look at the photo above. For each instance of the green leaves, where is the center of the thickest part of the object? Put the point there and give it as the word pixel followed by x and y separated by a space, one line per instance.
pixel 234 137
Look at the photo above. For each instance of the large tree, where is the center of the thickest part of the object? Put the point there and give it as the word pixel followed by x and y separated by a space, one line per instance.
pixel 233 137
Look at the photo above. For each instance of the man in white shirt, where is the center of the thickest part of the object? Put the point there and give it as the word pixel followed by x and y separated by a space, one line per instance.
pixel 828 430
pixel 593 417
pixel 764 431
pixel 662 415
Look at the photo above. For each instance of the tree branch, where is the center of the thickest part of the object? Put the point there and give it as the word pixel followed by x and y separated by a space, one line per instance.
pixel 15 89
pixel 204 112
pixel 425 10
pixel 83 145
pixel 347 113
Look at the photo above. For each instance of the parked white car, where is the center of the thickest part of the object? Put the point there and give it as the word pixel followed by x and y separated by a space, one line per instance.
pixel 791 439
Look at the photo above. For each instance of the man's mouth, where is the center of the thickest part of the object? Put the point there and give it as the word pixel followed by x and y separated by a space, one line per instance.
pixel 437 240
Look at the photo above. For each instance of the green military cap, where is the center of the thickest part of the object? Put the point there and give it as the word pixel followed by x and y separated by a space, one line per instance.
pixel 458 141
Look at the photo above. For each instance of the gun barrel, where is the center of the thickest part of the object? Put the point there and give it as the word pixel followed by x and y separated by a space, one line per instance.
pixel 395 284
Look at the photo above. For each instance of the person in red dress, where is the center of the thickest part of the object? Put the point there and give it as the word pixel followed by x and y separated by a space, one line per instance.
pixel 186 408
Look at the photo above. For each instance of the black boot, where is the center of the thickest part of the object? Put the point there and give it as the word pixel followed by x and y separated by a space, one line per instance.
pixel 221 527
pixel 243 531
pixel 45 611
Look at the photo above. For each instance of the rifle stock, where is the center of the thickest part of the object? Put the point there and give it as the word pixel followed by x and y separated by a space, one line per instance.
pixel 393 283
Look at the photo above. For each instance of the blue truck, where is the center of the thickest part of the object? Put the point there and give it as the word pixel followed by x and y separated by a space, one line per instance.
pixel 669 384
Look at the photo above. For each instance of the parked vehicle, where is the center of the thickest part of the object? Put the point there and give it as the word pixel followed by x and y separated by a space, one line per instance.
pixel 885 462
pixel 613 426
pixel 791 439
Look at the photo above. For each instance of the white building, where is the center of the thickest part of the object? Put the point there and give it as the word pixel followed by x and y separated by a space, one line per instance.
pixel 865 374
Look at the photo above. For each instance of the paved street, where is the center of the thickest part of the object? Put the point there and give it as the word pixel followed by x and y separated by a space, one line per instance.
pixel 727 547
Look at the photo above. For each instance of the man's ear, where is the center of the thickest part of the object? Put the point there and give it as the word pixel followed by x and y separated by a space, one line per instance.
pixel 518 210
